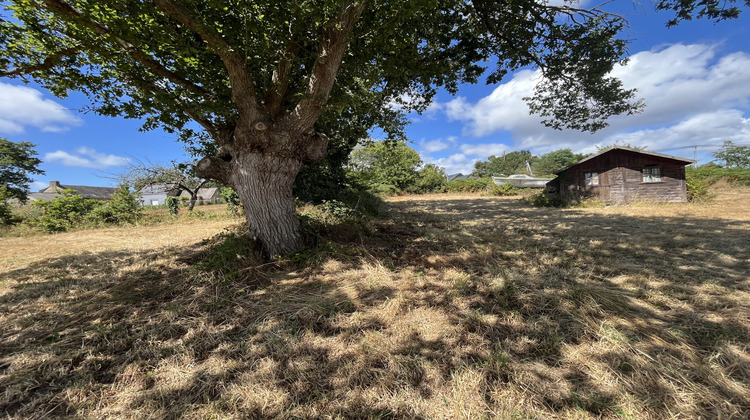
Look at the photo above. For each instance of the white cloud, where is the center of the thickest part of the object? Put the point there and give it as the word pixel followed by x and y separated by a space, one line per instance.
pixel 86 157
pixel 22 107
pixel 707 129
pixel 484 150
pixel 691 95
pixel 503 109
pixel 434 146
pixel 437 145
pixel 38 186
pixel 454 163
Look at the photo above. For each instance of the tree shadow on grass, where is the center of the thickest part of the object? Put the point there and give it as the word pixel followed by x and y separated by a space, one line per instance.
pixel 457 308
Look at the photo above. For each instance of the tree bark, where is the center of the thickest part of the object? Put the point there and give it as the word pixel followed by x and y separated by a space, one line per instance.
pixel 262 168
pixel 264 185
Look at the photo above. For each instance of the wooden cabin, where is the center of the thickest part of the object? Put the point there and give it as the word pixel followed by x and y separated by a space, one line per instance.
pixel 619 175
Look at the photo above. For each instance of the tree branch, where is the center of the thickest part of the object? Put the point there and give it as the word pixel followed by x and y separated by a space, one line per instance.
pixel 214 168
pixel 280 79
pixel 47 64
pixel 67 12
pixel 333 44
pixel 243 89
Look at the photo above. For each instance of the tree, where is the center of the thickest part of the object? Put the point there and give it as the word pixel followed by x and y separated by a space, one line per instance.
pixel 259 76
pixel 388 165
pixel 734 156
pixel 552 162
pixel 507 164
pixel 619 144
pixel 123 207
pixel 17 162
pixel 431 178
pixel 179 176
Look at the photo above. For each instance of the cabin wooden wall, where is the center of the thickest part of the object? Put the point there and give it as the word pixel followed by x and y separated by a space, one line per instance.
pixel 621 179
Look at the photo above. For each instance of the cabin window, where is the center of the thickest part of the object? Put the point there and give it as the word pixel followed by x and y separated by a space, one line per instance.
pixel 154 202
pixel 651 174
pixel 591 178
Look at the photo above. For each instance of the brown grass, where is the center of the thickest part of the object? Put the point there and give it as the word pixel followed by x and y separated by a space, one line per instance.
pixel 460 306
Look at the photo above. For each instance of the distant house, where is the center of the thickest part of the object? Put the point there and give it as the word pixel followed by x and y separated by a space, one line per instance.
pixel 620 175
pixel 204 194
pixel 154 195
pixel 456 176
pixel 55 188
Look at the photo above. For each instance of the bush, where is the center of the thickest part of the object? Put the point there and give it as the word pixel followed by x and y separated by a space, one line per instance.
pixel 173 205
pixel 63 212
pixel 351 192
pixel 122 208
pixel 504 190
pixel 470 185
pixel 230 196
pixel 546 200
pixel 430 179
pixel 6 213
pixel 711 174
pixel 697 189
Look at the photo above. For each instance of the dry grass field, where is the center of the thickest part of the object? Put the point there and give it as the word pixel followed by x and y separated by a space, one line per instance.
pixel 454 307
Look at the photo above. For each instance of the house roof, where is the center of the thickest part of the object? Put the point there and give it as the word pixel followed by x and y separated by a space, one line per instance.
pixel 84 190
pixel 206 193
pixel 643 152
pixel 38 196
pixel 159 189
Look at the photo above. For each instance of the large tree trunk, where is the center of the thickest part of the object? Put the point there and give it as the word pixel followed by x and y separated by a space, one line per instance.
pixel 264 185
pixel 262 169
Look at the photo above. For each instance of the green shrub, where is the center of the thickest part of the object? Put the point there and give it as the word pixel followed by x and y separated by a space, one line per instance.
pixel 430 179
pixel 122 208
pixel 331 212
pixel 198 214
pixel 230 196
pixel 712 174
pixel 384 190
pixel 229 253
pixel 470 185
pixel 546 200
pixel 697 189
pixel 6 213
pixel 504 190
pixel 173 205
pixel 64 212
pixel 353 194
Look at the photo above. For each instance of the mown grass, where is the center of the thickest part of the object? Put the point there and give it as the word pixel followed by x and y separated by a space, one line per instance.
pixel 458 306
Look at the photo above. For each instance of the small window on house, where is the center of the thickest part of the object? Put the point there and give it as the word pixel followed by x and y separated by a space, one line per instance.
pixel 154 202
pixel 651 174
pixel 591 178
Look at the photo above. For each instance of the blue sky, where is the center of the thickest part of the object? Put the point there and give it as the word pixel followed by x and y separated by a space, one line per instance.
pixel 694 78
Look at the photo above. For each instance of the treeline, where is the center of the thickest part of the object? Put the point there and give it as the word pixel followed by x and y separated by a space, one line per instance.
pixel 516 163
pixel 387 168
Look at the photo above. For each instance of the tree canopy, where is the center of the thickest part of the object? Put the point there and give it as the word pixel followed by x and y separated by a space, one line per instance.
pixel 17 162
pixel 549 163
pixel 515 163
pixel 507 164
pixel 389 164
pixel 734 155
pixel 271 84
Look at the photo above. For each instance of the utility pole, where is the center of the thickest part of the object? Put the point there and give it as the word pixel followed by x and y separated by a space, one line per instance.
pixel 695 156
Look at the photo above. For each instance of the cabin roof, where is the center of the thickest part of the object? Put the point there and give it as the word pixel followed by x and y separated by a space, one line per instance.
pixel 628 149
